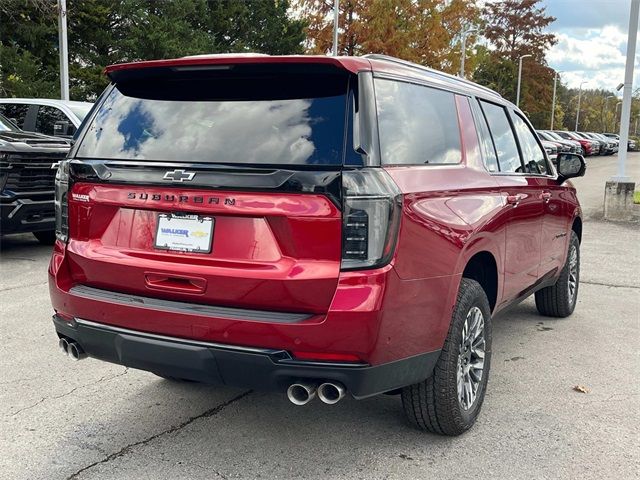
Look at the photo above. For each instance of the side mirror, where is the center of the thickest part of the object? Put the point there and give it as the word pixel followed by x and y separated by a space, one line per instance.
pixel 570 165
pixel 62 128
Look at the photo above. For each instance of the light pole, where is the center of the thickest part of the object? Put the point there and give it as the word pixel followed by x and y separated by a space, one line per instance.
pixel 625 113
pixel 553 102
pixel 578 111
pixel 336 16
pixel 463 53
pixel 62 48
pixel 616 122
pixel 520 79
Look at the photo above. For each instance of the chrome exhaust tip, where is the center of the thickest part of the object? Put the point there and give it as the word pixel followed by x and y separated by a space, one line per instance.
pixel 331 393
pixel 301 393
pixel 76 352
pixel 63 344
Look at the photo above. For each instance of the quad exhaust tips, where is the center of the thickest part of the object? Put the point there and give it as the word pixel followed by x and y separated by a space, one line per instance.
pixel 302 393
pixel 72 349
pixel 331 393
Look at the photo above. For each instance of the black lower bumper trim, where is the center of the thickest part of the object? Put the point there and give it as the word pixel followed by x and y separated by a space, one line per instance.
pixel 260 369
pixel 26 215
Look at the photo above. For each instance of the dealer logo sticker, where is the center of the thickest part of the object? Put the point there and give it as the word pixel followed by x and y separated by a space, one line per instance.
pixel 79 197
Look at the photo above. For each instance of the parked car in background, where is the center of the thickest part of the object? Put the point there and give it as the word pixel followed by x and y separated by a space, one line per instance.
pixel 320 226
pixel 58 118
pixel 604 144
pixel 612 143
pixel 562 144
pixel 588 146
pixel 27 176
pixel 552 149
pixel 632 144
pixel 596 145
pixel 576 147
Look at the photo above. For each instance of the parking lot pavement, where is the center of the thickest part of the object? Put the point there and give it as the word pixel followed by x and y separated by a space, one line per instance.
pixel 92 420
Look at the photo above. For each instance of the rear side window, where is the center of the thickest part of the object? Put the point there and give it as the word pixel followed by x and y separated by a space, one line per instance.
pixel 16 112
pixel 270 121
pixel 47 118
pixel 533 155
pixel 503 137
pixel 489 151
pixel 417 125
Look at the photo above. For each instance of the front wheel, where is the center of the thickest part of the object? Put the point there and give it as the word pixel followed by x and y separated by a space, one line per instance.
pixel 449 401
pixel 559 300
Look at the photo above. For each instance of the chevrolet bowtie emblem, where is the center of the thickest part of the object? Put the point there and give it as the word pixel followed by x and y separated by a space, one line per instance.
pixel 179 176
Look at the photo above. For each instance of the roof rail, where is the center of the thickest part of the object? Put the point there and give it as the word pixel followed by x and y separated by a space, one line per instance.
pixel 388 58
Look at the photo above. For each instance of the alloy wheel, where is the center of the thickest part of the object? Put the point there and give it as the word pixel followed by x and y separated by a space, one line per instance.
pixel 573 273
pixel 471 358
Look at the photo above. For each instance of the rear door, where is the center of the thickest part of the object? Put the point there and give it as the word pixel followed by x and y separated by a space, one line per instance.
pixel 218 188
pixel 522 204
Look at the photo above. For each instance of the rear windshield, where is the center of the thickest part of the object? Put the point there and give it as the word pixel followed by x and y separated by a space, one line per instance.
pixel 298 120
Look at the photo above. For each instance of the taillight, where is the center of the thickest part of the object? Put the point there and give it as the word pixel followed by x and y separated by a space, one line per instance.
pixel 61 203
pixel 371 216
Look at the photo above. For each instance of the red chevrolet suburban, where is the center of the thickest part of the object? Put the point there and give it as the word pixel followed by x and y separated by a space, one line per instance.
pixel 321 226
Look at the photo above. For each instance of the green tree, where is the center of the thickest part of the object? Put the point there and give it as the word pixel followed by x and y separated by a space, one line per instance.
pixel 103 32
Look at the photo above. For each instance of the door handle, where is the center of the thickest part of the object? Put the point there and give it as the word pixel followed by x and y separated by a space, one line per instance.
pixel 546 197
pixel 514 200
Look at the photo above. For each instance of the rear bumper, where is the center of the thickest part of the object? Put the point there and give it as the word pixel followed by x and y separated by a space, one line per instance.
pixel 26 215
pixel 245 367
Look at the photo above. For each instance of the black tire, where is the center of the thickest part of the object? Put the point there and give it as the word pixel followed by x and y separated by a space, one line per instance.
pixel 559 300
pixel 47 237
pixel 434 404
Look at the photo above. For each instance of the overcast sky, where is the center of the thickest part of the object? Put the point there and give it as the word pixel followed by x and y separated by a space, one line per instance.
pixel 592 42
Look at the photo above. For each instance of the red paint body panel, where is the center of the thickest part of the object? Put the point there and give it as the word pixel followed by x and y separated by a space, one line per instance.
pixel 350 64
pixel 269 250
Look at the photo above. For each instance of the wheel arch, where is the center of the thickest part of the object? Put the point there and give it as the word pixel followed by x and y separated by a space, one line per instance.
pixel 483 268
pixel 576 227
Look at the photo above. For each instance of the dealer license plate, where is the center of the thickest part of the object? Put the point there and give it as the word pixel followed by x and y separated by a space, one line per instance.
pixel 186 233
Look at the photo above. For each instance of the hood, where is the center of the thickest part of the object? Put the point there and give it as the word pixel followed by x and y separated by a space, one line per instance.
pixel 31 138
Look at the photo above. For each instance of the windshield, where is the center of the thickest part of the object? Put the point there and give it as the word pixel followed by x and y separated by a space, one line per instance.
pixel 80 111
pixel 6 125
pixel 298 121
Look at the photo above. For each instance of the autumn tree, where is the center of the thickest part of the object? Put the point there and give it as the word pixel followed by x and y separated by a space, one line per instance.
pixel 515 28
pixel 422 31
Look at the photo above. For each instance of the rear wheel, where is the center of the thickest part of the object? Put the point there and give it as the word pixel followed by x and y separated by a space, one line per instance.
pixel 47 237
pixel 449 401
pixel 559 300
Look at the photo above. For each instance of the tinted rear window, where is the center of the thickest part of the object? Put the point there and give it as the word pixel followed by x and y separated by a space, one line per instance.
pixel 275 120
